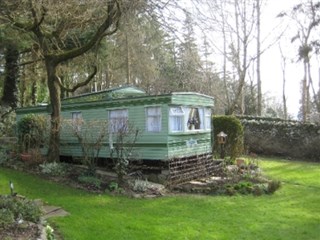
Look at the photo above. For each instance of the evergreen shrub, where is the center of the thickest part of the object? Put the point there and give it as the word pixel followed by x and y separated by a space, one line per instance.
pixel 233 128
pixel 31 131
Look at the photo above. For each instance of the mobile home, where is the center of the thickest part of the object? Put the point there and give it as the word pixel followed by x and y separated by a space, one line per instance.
pixel 175 125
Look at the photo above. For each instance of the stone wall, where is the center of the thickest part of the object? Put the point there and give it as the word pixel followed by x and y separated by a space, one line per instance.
pixel 277 137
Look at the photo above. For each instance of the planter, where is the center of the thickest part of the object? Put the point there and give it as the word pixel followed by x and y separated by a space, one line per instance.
pixel 26 157
pixel 32 157
pixel 240 162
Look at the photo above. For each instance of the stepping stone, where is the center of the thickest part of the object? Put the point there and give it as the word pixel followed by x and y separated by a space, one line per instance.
pixel 53 211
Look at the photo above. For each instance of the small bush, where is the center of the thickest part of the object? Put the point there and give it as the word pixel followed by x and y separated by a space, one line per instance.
pixel 259 189
pixel 50 233
pixel 273 186
pixel 247 187
pixel 17 208
pixel 229 190
pixel 54 169
pixel 6 217
pixel 90 181
pixel 140 185
pixel 244 187
pixel 113 186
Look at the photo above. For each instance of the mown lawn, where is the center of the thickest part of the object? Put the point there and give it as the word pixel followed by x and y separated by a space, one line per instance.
pixel 293 212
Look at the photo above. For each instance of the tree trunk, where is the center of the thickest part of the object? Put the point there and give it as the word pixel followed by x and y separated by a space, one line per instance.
pixel 55 101
pixel 304 94
pixel 9 97
pixel 259 109
pixel 225 64
pixel 34 93
pixel 128 63
pixel 284 98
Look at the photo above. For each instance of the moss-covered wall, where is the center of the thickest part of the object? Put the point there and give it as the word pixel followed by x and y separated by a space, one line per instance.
pixel 290 139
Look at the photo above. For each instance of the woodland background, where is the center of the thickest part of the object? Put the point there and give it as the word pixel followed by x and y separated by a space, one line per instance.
pixel 54 49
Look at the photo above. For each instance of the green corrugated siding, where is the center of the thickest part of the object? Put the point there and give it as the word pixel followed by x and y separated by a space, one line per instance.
pixel 32 110
pixel 149 145
pixel 192 99
pixel 178 144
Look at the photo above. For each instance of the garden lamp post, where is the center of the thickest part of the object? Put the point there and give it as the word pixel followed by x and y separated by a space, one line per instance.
pixel 222 138
pixel 11 187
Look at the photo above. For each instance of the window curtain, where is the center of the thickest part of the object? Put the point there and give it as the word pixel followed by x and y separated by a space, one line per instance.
pixel 118 120
pixel 153 119
pixel 76 121
pixel 176 119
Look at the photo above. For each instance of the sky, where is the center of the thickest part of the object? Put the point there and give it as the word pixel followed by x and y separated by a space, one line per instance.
pixel 271 71
pixel 271 60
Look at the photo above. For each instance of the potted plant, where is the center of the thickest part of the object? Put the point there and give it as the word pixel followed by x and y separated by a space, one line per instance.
pixel 25 154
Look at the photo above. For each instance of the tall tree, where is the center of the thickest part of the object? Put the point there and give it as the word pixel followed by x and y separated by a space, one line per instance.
pixel 259 82
pixel 9 95
pixel 284 97
pixel 62 31
pixel 306 17
pixel 232 25
pixel 189 59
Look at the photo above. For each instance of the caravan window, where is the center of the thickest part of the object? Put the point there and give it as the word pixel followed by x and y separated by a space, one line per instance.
pixel 77 120
pixel 185 119
pixel 199 119
pixel 118 120
pixel 153 119
pixel 176 117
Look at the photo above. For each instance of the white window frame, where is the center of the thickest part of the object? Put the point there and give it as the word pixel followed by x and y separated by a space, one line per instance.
pixel 207 118
pixel 153 119
pixel 119 122
pixel 77 120
pixel 175 115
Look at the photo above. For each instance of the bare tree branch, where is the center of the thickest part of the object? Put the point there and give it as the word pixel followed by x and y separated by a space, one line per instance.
pixel 81 84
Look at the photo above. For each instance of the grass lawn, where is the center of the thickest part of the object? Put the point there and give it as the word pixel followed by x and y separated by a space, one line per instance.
pixel 293 212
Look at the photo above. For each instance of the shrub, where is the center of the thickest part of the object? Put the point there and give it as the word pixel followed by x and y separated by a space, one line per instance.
pixel 17 208
pixel 113 186
pixel 6 217
pixel 31 131
pixel 244 187
pixel 273 186
pixel 50 233
pixel 140 185
pixel 259 189
pixel 90 181
pixel 233 128
pixel 54 169
pixel 90 135
pixel 247 187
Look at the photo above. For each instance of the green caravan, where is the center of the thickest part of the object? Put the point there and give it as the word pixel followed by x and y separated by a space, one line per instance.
pixel 174 125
